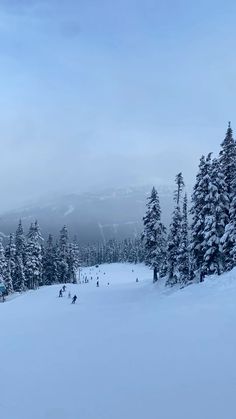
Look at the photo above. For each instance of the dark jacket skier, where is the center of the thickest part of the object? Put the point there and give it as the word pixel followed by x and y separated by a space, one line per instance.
pixel 74 299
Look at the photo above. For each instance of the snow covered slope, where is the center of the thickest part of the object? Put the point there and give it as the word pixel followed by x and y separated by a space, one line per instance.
pixel 126 350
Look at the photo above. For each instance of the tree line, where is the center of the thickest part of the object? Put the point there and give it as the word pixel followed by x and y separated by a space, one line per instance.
pixel 112 251
pixel 27 262
pixel 200 241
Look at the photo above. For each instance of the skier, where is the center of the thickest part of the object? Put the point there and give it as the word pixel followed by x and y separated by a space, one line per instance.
pixel 97 283
pixel 74 299
pixel 136 279
pixel 60 293
pixel 63 288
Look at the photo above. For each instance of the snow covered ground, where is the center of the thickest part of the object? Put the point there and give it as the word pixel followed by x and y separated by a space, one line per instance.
pixel 126 350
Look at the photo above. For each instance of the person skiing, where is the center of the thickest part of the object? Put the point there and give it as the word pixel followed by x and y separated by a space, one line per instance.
pixel 74 299
pixel 63 288
pixel 97 283
pixel 60 293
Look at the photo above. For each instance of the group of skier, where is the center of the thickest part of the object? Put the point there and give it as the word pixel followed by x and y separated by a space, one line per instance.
pixel 62 290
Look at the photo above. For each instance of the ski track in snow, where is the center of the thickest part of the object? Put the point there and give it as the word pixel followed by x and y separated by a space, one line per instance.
pixel 125 351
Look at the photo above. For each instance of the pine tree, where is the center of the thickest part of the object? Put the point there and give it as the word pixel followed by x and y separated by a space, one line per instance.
pixel 20 259
pixel 3 263
pixel 173 244
pixel 183 253
pixel 180 185
pixel 10 254
pixel 8 279
pixel 174 237
pixel 154 234
pixel 73 263
pixel 63 255
pixel 214 221
pixel 33 271
pixel 19 275
pixel 49 263
pixel 199 211
pixel 20 242
pixel 227 161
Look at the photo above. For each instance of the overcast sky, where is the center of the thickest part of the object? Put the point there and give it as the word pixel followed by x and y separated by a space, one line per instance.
pixel 111 93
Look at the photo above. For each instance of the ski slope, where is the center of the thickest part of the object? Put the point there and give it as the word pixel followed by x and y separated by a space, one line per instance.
pixel 126 350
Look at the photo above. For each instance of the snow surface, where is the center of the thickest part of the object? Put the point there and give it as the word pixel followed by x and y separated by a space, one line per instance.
pixel 125 351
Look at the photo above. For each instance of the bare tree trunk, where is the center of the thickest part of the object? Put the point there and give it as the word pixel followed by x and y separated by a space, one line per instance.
pixel 155 277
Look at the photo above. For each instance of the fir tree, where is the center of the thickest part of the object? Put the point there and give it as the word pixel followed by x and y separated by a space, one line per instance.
pixel 49 263
pixel 19 275
pixel 173 244
pixel 154 235
pixel 227 167
pixel 63 255
pixel 180 185
pixel 183 253
pixel 174 237
pixel 10 254
pixel 199 211
pixel 8 278
pixel 20 259
pixel 33 270
pixel 3 263
pixel 214 221
pixel 20 242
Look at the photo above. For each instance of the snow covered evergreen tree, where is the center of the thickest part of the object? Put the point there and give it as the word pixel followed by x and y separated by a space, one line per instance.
pixel 183 252
pixel 63 256
pixel 3 263
pixel 20 259
pixel 154 235
pixel 10 254
pixel 215 218
pixel 8 278
pixel 227 159
pixel 174 237
pixel 199 211
pixel 19 275
pixel 49 263
pixel 33 269
pixel 20 241
pixel 73 263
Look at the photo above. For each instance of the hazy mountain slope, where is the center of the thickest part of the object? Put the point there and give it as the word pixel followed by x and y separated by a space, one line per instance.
pixel 91 216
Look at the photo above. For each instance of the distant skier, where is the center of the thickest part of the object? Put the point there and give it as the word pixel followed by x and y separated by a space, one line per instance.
pixel 97 283
pixel 136 279
pixel 74 299
pixel 60 293
pixel 63 288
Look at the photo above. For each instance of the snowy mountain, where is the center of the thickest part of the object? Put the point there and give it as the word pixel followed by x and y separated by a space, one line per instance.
pixel 91 216
pixel 124 350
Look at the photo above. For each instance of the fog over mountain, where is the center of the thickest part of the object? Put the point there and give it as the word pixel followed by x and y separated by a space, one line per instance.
pixel 91 216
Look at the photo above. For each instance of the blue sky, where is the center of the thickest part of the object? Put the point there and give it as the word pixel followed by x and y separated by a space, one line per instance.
pixel 100 93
